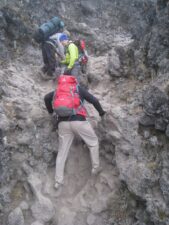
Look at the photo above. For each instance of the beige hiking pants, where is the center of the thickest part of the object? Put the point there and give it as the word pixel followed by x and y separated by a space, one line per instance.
pixel 67 130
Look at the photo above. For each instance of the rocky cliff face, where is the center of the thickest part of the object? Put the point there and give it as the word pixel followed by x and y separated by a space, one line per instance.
pixel 128 73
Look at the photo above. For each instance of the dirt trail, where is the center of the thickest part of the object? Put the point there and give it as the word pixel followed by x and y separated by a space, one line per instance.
pixel 83 199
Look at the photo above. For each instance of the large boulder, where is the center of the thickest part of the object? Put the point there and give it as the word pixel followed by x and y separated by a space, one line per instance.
pixel 42 209
pixel 156 109
pixel 120 62
pixel 153 100
pixel 16 217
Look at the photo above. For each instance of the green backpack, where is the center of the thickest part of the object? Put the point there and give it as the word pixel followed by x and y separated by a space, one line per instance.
pixel 47 29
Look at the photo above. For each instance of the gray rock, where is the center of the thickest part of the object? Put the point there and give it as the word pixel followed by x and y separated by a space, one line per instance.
pixel 67 217
pixel 24 205
pixel 153 99
pixel 42 209
pixel 91 219
pixel 16 217
pixel 4 50
pixel 99 205
pixel 24 139
pixel 160 124
pixel 4 122
pixel 97 73
pixel 16 27
pixel 114 64
pixel 164 184
pixel 146 120
pixel 87 7
pixel 37 223
pixel 3 23
pixel 154 141
pixel 155 104
pixel 146 134
pixel 167 131
pixel 1 208
pixel 119 60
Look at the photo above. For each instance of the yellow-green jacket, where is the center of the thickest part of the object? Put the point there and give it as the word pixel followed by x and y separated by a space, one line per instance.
pixel 72 55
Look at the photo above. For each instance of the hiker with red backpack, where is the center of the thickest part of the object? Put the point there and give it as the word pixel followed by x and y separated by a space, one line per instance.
pixel 67 102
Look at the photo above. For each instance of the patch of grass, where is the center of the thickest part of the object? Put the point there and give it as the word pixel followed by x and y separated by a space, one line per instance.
pixel 17 193
pixel 152 165
pixel 162 214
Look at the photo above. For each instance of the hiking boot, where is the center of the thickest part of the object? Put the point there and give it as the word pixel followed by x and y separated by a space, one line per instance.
pixel 97 170
pixel 57 185
pixel 50 73
pixel 47 77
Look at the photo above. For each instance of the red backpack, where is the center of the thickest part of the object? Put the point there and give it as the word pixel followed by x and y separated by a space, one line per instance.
pixel 83 55
pixel 66 101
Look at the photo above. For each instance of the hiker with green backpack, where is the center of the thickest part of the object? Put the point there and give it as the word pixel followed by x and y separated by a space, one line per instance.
pixel 55 43
pixel 67 103
pixel 52 50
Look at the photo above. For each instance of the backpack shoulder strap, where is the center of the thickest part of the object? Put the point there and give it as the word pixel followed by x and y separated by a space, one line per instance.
pixel 77 89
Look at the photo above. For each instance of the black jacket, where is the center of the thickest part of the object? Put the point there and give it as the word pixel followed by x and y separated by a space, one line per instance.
pixel 84 95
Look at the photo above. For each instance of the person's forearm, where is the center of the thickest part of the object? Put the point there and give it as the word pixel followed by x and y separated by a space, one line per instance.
pixel 91 99
pixel 98 107
pixel 71 64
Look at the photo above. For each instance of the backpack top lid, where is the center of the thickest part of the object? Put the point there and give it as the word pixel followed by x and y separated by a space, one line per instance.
pixel 82 44
pixel 67 79
pixel 61 24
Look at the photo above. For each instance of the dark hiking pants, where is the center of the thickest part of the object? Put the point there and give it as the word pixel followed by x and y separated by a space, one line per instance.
pixel 49 57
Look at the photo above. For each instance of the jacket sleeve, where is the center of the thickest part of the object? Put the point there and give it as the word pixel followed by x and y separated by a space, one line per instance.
pixel 85 95
pixel 61 50
pixel 73 52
